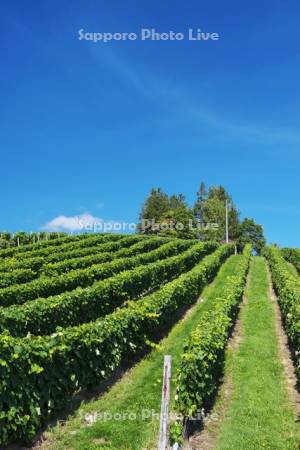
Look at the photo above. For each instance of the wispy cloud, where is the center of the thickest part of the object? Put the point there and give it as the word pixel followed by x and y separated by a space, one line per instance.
pixel 124 71
pixel 176 102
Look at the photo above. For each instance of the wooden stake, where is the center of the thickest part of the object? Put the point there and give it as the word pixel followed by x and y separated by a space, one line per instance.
pixel 164 413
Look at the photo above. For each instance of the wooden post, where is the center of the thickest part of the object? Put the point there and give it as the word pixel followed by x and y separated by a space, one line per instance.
pixel 164 413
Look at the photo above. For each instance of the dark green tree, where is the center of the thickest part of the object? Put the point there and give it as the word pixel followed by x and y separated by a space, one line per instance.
pixel 177 201
pixel 166 215
pixel 213 214
pixel 179 219
pixel 155 206
pixel 162 214
pixel 251 232
pixel 200 201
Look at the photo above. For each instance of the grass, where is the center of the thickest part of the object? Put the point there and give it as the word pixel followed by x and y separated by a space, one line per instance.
pixel 138 390
pixel 292 269
pixel 259 414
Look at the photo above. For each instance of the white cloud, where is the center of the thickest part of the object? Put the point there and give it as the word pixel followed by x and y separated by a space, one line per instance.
pixel 87 223
pixel 72 223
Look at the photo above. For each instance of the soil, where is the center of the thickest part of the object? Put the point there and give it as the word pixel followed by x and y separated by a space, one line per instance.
pixel 206 438
pixel 285 352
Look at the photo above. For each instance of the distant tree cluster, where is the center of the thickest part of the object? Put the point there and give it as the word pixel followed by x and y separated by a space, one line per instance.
pixel 171 215
pixel 168 215
pixel 8 239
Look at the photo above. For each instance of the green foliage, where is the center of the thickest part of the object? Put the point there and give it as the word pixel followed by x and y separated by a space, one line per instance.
pixel 200 201
pixel 155 206
pixel 17 276
pixel 38 245
pixel 37 258
pixel 5 235
pixel 258 412
pixel 293 256
pixel 213 211
pixel 123 248
pixel 38 375
pixel 47 286
pixel 202 360
pixel 4 243
pixel 16 263
pixel 102 253
pixel 42 316
pixel 21 238
pixel 287 286
pixel 206 220
pixel 250 232
pixel 179 222
pixel 167 215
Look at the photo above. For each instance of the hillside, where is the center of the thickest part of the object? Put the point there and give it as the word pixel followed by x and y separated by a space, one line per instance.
pixel 90 317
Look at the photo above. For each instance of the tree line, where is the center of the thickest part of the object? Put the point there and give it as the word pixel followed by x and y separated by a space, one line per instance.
pixel 164 214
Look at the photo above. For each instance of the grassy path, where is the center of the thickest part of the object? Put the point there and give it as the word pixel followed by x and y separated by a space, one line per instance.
pixel 260 414
pixel 139 390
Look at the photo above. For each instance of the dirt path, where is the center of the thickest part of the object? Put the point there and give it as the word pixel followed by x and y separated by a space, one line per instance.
pixel 284 351
pixel 206 438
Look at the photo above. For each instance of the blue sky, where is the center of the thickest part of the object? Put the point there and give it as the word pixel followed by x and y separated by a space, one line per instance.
pixel 89 128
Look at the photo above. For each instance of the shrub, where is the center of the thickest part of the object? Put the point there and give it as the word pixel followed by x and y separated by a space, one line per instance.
pixel 42 316
pixel 38 375
pixel 203 356
pixel 287 287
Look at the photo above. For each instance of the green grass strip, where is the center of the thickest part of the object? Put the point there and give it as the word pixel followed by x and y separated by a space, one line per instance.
pixel 138 391
pixel 260 415
pixel 292 255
